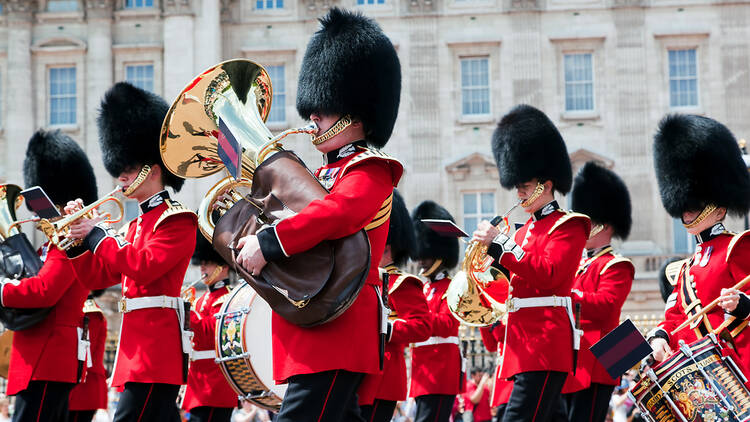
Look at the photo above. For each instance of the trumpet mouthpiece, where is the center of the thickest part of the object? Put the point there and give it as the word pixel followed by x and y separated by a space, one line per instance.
pixel 312 128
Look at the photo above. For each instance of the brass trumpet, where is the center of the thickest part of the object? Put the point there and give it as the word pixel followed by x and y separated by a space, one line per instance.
pixel 10 200
pixel 57 231
pixel 465 292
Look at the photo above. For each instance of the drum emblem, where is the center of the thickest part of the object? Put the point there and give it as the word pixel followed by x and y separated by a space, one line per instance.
pixel 698 402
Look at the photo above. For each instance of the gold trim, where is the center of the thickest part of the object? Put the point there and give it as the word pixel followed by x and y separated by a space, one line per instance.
pixel 341 125
pixel 702 216
pixel 214 276
pixel 672 271
pixel 596 230
pixel 616 260
pixel 142 175
pixel 173 208
pixel 432 269
pixel 736 238
pixel 565 218
pixel 538 191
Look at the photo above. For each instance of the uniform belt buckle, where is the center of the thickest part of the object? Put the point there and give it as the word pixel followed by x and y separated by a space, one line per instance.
pixel 510 305
pixel 122 306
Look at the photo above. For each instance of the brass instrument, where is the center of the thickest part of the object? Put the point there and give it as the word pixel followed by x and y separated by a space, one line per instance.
pixel 57 231
pixel 10 200
pixel 466 292
pixel 238 93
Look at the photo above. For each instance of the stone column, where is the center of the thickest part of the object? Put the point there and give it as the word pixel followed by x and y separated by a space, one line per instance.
pixel 179 49
pixel 99 77
pixel 207 35
pixel 20 119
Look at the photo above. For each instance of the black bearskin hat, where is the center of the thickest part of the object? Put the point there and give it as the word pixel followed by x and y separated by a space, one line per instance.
pixel 204 251
pixel 698 162
pixel 401 236
pixel 351 67
pixel 430 244
pixel 129 121
pixel 55 162
pixel 527 145
pixel 603 196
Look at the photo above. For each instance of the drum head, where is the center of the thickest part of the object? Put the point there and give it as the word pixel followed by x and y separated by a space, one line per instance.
pixel 256 337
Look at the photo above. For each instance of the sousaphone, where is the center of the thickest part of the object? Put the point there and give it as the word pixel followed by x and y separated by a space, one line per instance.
pixel 219 117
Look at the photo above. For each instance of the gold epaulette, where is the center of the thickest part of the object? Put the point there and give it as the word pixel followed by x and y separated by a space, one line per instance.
pixel 569 216
pixel 401 278
pixel 734 242
pixel 371 153
pixel 90 306
pixel 672 271
pixel 614 261
pixel 383 214
pixel 173 208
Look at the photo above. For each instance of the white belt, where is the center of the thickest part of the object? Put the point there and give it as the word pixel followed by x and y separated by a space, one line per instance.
pixel 136 303
pixel 203 354
pixel 438 340
pixel 516 303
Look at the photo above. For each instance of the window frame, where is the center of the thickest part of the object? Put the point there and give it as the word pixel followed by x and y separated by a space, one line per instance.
pixel 127 65
pixel 479 215
pixel 592 55
pixel 154 3
pixel 697 78
pixel 274 101
pixel 49 96
pixel 487 59
pixel 48 2
pixel 267 9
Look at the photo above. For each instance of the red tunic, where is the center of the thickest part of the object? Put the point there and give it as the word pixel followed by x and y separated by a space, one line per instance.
pixel 150 261
pixel 493 337
pixel 436 368
pixel 411 320
pixel 541 339
pixel 206 384
pixel 604 282
pixel 48 351
pixel 92 393
pixel 361 185
pixel 719 262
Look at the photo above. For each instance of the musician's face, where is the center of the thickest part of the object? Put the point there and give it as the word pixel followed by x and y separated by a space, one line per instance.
pixel 325 121
pixel 713 218
pixel 207 268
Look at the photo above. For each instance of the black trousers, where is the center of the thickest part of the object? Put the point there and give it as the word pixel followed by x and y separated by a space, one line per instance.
pixel 589 405
pixel 329 396
pixel 535 396
pixel 211 414
pixel 147 402
pixel 81 415
pixel 379 411
pixel 434 407
pixel 43 401
pixel 500 412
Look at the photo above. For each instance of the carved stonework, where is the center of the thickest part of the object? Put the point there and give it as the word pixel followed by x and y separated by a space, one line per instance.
pixel 319 7
pixel 178 7
pixel 20 9
pixel 522 5
pixel 226 10
pixel 422 6
pixel 99 8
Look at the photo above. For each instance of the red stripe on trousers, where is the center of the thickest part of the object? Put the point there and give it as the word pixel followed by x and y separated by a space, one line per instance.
pixel 328 395
pixel 146 403
pixel 540 396
pixel 41 405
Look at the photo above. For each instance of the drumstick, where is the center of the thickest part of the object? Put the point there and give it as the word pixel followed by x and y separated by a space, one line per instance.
pixel 710 306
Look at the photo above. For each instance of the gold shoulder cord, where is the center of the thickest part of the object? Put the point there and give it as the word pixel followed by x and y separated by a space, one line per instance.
pixel 145 170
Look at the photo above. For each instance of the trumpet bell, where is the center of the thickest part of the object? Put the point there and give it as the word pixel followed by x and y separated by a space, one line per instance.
pixel 226 187
pixel 476 306
pixel 237 92
pixel 10 200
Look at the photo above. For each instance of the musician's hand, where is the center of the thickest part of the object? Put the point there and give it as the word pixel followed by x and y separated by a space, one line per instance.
pixel 73 206
pixel 251 257
pixel 81 228
pixel 661 348
pixel 484 233
pixel 729 299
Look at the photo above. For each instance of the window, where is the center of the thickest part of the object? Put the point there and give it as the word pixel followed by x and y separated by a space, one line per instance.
pixel 683 78
pixel 367 2
pixel 684 242
pixel 136 4
pixel 475 86
pixel 278 104
pixel 62 96
pixel 579 82
pixel 62 5
pixel 478 206
pixel 141 75
pixel 269 4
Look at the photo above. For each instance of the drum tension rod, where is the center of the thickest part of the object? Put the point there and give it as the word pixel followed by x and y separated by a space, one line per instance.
pixel 684 348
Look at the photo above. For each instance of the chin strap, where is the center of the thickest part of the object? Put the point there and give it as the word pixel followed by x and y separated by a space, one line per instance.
pixel 538 191
pixel 702 216
pixel 214 276
pixel 433 268
pixel 596 230
pixel 145 171
pixel 334 130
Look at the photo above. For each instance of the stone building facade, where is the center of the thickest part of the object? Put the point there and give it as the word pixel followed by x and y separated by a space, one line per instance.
pixel 605 71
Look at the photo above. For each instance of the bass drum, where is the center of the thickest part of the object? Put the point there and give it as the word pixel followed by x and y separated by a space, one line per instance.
pixel 243 344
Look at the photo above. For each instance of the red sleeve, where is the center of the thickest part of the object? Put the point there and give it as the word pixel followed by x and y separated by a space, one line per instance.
pixel 92 273
pixel 559 259
pixel 612 290
pixel 489 339
pixel 351 205
pixel 44 289
pixel 739 261
pixel 414 323
pixel 155 258
pixel 202 324
pixel 444 324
